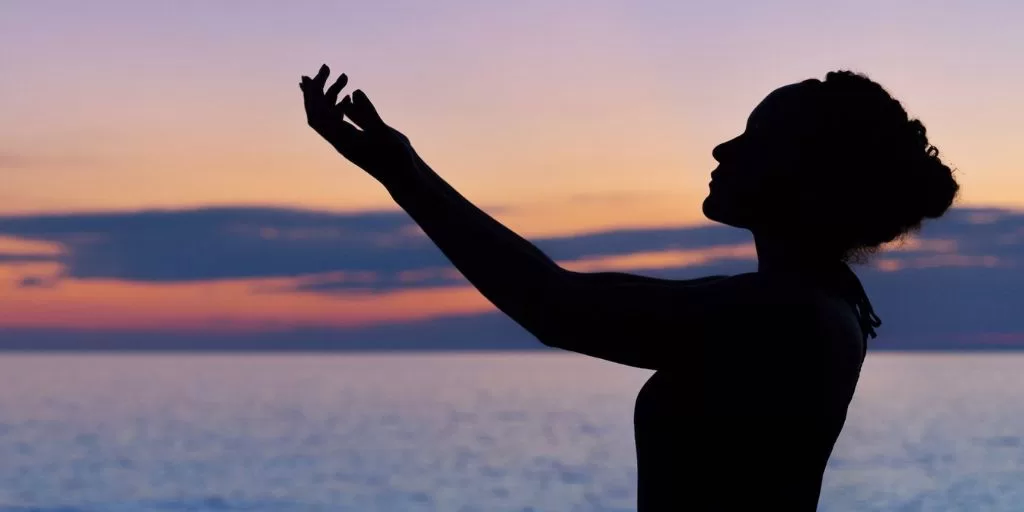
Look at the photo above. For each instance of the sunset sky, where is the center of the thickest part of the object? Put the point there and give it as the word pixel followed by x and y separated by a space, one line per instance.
pixel 561 118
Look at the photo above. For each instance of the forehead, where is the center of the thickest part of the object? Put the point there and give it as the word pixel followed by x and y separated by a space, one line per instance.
pixel 788 102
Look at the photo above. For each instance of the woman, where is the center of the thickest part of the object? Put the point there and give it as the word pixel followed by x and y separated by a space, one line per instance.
pixel 754 372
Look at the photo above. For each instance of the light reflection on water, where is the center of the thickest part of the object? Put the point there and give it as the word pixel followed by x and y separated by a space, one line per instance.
pixel 453 432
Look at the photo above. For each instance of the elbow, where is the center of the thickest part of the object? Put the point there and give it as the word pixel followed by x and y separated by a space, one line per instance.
pixel 540 306
pixel 548 341
pixel 541 323
pixel 548 312
pixel 548 338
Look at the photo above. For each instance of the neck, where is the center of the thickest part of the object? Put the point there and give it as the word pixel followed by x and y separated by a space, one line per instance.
pixel 779 254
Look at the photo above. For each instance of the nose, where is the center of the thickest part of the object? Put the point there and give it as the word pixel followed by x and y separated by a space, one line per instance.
pixel 724 149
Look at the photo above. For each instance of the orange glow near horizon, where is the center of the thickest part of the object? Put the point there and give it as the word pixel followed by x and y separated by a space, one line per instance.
pixel 254 304
pixel 230 305
pixel 11 245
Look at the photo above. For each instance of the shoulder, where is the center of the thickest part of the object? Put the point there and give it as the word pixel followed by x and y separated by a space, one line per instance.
pixel 760 289
pixel 764 302
pixel 769 288
pixel 779 326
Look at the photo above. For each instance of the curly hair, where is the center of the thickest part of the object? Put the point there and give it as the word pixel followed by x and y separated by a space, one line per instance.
pixel 883 177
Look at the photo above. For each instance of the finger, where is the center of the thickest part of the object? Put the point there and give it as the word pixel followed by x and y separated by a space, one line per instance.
pixel 314 94
pixel 335 88
pixel 310 98
pixel 321 77
pixel 343 107
pixel 363 112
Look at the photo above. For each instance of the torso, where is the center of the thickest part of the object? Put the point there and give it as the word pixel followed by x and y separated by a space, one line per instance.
pixel 748 431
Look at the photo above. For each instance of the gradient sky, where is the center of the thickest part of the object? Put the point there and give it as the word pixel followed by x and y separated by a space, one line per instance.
pixel 558 117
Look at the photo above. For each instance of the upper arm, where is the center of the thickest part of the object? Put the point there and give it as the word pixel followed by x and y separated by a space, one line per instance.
pixel 647 322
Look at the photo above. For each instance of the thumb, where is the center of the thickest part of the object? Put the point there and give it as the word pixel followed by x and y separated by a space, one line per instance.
pixel 363 113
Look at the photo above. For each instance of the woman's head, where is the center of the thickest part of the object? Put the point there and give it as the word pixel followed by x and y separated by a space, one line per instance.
pixel 837 164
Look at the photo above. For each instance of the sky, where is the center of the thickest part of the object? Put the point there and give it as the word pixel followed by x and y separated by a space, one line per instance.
pixel 158 174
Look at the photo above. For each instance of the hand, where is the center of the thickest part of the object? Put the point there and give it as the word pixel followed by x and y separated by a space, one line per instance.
pixel 370 143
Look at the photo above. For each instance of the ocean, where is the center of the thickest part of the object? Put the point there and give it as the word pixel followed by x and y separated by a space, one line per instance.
pixel 454 432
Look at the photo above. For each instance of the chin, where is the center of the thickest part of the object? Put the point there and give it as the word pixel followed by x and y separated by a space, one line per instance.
pixel 724 212
pixel 713 208
pixel 708 207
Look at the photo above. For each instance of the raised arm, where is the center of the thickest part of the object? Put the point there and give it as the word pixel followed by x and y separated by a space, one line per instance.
pixel 624 318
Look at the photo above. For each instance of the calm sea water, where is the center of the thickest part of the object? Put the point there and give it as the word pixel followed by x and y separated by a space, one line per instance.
pixel 469 432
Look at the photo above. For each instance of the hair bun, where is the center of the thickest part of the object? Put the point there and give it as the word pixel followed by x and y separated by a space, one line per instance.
pixel 938 188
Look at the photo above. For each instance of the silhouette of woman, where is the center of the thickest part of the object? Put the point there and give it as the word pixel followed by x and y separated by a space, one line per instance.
pixel 754 372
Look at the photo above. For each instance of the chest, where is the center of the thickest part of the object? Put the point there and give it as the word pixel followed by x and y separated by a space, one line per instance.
pixel 662 398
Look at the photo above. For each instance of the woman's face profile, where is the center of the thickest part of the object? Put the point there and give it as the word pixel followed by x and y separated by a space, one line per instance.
pixel 753 164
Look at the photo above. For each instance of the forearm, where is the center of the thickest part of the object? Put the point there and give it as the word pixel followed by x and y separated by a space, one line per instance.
pixel 507 269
